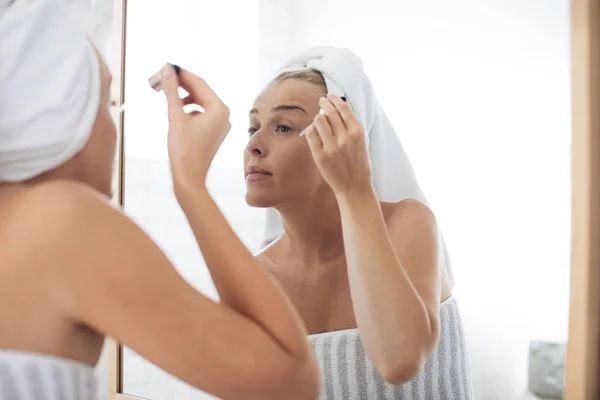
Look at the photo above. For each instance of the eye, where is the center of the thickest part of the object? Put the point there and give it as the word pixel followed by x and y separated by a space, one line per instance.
pixel 283 128
pixel 252 131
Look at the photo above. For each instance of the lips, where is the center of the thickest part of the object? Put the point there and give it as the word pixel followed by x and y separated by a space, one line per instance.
pixel 256 173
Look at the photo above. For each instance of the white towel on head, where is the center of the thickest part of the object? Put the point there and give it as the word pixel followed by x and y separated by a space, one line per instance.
pixel 392 172
pixel 49 87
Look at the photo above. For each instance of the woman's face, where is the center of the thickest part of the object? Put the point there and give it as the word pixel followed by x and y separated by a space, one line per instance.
pixel 277 117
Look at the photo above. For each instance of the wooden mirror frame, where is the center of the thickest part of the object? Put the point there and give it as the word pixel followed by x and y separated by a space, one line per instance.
pixel 583 347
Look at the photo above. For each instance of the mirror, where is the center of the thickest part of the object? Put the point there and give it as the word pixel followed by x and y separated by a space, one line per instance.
pixel 157 32
pixel 478 93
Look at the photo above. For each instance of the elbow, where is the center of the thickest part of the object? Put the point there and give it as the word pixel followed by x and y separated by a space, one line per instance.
pixel 315 384
pixel 397 368
pixel 398 373
pixel 301 382
pixel 308 381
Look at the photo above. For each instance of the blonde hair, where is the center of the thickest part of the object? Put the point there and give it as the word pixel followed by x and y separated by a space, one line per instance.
pixel 311 76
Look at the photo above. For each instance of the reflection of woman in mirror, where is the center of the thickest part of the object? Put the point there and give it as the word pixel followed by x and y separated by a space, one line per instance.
pixel 349 261
pixel 74 269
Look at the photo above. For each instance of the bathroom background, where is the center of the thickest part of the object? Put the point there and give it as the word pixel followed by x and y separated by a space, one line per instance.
pixel 478 92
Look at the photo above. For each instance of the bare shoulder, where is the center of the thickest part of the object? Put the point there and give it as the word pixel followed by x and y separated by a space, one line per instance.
pixel 89 249
pixel 415 235
pixel 70 235
pixel 56 210
pixel 407 214
pixel 73 217
pixel 59 196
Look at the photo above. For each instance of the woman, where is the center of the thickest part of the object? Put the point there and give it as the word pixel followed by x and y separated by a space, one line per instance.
pixel 349 262
pixel 73 269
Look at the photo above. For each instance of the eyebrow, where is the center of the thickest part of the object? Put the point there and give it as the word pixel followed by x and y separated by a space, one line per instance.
pixel 282 107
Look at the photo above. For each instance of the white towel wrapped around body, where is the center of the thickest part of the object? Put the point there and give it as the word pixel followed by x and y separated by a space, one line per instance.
pixel 49 87
pixel 392 172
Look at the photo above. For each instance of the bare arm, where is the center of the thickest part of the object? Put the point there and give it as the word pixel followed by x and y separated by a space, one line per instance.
pixel 395 280
pixel 120 283
pixel 394 270
pixel 242 283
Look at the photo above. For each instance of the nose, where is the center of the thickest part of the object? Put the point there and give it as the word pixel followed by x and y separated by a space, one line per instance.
pixel 256 146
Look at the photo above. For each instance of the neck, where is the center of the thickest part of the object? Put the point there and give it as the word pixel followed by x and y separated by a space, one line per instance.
pixel 313 229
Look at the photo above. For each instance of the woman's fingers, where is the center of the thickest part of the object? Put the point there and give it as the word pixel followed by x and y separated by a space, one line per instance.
pixel 352 124
pixel 172 77
pixel 314 142
pixel 333 116
pixel 169 85
pixel 199 90
pixel 188 100
pixel 325 132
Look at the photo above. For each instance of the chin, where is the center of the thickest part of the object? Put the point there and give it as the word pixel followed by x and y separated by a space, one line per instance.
pixel 254 200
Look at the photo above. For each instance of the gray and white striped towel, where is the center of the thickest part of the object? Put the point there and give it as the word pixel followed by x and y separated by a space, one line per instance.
pixel 29 376
pixel 349 375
